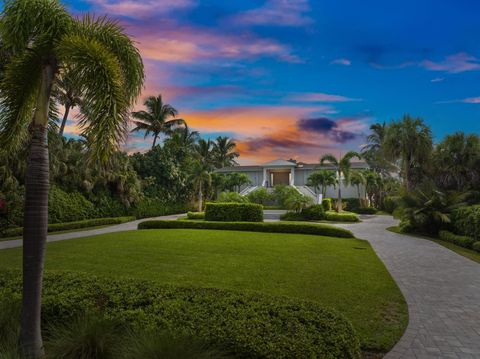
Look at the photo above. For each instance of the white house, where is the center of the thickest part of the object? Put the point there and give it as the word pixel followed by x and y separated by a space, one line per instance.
pixel 290 173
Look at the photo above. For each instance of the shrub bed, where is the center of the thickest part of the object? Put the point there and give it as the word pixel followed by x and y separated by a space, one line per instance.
pixel 196 215
pixel 312 213
pixel 155 207
pixel 341 217
pixel 466 221
pixel 273 227
pixel 390 203
pixel 366 210
pixel 327 204
pixel 462 241
pixel 14 232
pixel 231 212
pixel 249 325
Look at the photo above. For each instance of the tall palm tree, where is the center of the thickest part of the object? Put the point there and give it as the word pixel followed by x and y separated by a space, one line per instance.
pixel 158 119
pixel 224 151
pixel 410 141
pixel 322 180
pixel 66 95
pixel 342 167
pixel 201 180
pixel 357 179
pixel 204 153
pixel 104 66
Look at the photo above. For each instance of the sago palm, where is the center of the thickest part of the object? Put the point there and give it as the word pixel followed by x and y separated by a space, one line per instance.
pixel 157 120
pixel 342 167
pixel 104 66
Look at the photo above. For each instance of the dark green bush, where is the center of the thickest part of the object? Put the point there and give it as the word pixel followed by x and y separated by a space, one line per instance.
pixel 107 206
pixel 352 204
pixel 274 227
pixel 391 203
pixel 281 193
pixel 249 325
pixel 231 212
pixel 466 221
pixel 366 210
pixel 14 232
pixel 292 216
pixel 68 207
pixel 476 246
pixel 312 213
pixel 462 241
pixel 155 207
pixel 327 204
pixel 261 196
pixel 196 215
pixel 341 217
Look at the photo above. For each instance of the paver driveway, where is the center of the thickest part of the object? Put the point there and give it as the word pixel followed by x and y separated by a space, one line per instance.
pixel 442 290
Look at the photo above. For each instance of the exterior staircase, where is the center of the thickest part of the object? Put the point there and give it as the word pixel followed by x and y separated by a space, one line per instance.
pixel 307 191
pixel 247 190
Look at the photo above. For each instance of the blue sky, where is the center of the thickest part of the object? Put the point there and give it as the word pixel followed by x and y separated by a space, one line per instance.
pixel 300 78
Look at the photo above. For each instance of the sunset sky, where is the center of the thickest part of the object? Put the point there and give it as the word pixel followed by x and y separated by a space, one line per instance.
pixel 300 78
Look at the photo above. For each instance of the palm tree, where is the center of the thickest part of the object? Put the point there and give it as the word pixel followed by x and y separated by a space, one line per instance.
pixel 104 66
pixel 374 151
pixel 204 153
pixel 201 180
pixel 156 119
pixel 224 150
pixel 410 141
pixel 66 95
pixel 357 179
pixel 322 179
pixel 342 167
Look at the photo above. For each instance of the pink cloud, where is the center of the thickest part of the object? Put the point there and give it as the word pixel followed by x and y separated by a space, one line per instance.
pixel 456 63
pixel 320 97
pixel 170 42
pixel 141 9
pixel 471 100
pixel 277 12
pixel 344 62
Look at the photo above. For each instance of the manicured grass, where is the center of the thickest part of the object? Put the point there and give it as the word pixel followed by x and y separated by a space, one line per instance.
pixel 342 273
pixel 466 252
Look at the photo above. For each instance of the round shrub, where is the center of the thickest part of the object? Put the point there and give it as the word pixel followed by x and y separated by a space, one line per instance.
pixel 249 325
pixel 341 217
pixel 68 207
pixel 314 213
pixel 390 203
pixel 261 196
pixel 476 246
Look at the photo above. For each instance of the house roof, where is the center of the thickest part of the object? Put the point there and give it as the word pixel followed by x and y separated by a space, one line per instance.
pixel 279 163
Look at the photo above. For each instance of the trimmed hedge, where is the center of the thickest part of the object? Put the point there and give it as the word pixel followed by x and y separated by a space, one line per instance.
pixel 273 227
pixel 327 204
pixel 249 325
pixel 196 215
pixel 15 232
pixel 231 212
pixel 466 221
pixel 476 246
pixel 462 241
pixel 341 217
pixel 312 213
pixel 366 210
pixel 155 207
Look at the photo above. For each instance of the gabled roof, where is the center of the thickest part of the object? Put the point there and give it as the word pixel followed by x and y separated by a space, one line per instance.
pixel 279 163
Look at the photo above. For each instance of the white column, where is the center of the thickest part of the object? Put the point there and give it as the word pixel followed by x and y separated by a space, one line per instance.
pixel 264 176
pixel 292 173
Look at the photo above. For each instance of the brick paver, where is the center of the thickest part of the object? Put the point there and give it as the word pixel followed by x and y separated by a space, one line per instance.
pixel 442 290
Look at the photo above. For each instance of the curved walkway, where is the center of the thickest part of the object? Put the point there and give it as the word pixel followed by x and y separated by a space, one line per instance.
pixel 128 226
pixel 442 290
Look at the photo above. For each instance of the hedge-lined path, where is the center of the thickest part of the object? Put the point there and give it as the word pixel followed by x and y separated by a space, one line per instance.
pixel 441 287
pixel 127 226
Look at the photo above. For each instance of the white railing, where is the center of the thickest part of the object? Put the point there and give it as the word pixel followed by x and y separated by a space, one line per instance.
pixel 247 190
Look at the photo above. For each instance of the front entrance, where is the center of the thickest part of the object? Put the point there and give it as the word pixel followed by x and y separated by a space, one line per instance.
pixel 280 178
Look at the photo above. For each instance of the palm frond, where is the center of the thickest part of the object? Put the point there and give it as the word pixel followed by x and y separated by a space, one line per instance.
pixel 329 158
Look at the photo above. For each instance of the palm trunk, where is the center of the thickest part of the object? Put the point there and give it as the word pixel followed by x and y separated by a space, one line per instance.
pixel 64 120
pixel 154 141
pixel 339 197
pixel 200 200
pixel 36 220
pixel 34 238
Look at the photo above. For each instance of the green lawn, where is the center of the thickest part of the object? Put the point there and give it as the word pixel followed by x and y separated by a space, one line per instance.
pixel 466 252
pixel 341 273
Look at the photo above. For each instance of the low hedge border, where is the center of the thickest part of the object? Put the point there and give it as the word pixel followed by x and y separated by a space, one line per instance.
pixel 230 212
pixel 272 227
pixel 366 210
pixel 247 324
pixel 55 227
pixel 196 215
pixel 341 217
pixel 462 241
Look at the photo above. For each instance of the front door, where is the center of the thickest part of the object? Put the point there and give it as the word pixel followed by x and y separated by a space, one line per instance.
pixel 281 178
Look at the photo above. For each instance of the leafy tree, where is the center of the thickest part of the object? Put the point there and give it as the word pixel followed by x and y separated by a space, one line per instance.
pixel 235 197
pixel 342 168
pixel 104 66
pixel 158 119
pixel 322 180
pixel 201 180
pixel 457 161
pixel 409 140
pixel 224 152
